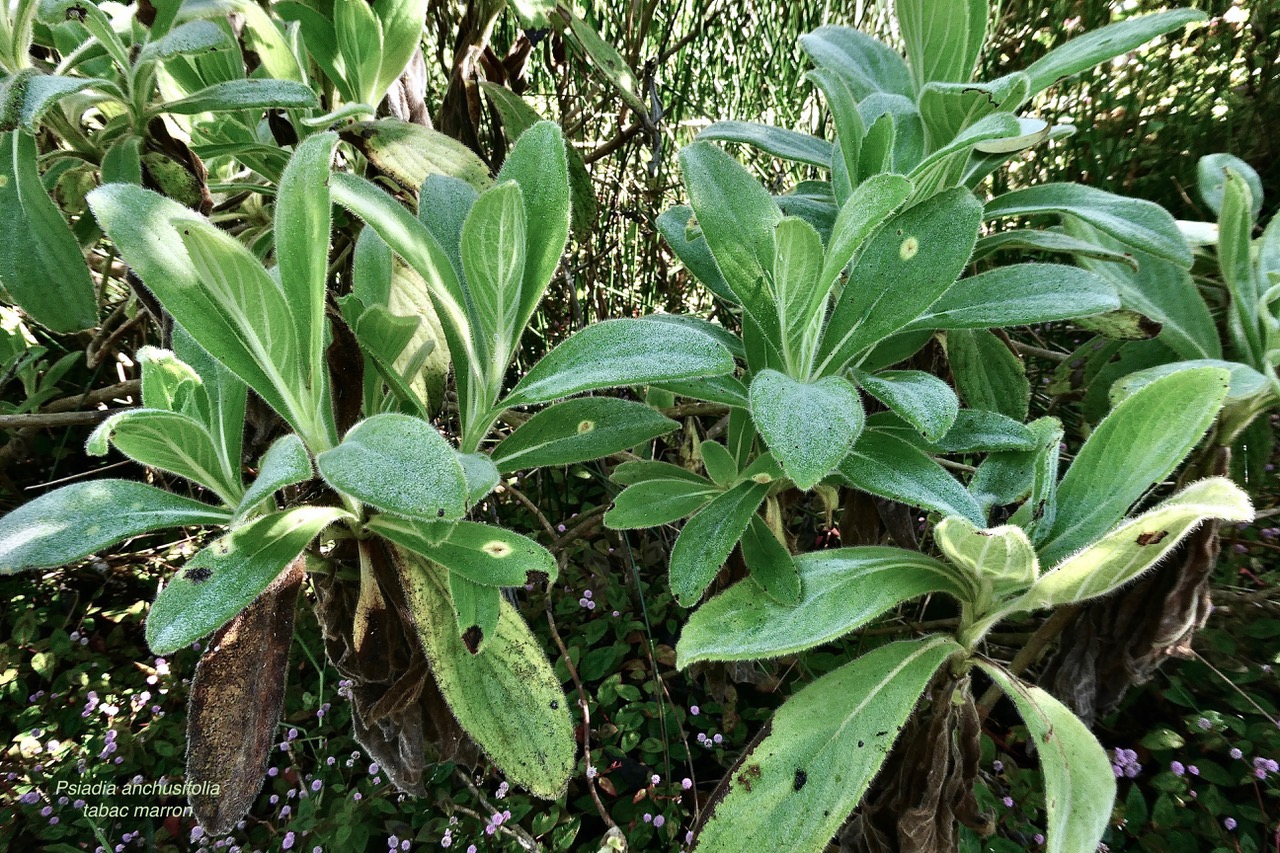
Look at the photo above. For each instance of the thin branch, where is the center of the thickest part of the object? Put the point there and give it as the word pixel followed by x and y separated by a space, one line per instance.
pixel 1038 352
pixel 46 420
pixel 1052 627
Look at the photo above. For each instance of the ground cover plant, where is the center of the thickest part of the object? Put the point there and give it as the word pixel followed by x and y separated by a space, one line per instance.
pixel 912 434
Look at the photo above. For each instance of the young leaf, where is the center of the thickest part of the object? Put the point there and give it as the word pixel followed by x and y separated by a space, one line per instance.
pixel 41 265
pixel 1144 225
pixel 1080 787
pixel 797 266
pixel 171 442
pixel 809 427
pixel 868 207
pixel 866 63
pixel 903 269
pixel 477 608
pixel 482 553
pixel 579 430
pixel 1000 557
pixel 193 37
pixel 737 217
pixel 1135 546
pixel 842 589
pixel 921 399
pixel 890 467
pixel 286 463
pixel 399 464
pixel 508 698
pixel 1138 444
pixel 248 94
pixel 1019 295
pixel 493 253
pixel 77 520
pixel 988 374
pixel 708 538
pixel 1235 257
pixel 237 314
pixel 621 352
pixel 771 565
pixel 1084 52
pixel 943 39
pixel 225 392
pixel 659 501
pixel 776 141
pixel 302 224
pixel 537 162
pixel 225 577
pixel 719 463
pixel 401 24
pixel 1211 180
pixel 797 785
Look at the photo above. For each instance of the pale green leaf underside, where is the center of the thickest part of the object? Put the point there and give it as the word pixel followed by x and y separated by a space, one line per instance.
pixel 507 698
pixel 1138 444
pixel 1080 787
pixel 1140 543
pixel 171 442
pixel 821 751
pixel 841 590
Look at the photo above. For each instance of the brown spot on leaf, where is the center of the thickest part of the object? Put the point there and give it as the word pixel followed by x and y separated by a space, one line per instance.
pixel 471 638
pixel 801 779
pixel 1152 538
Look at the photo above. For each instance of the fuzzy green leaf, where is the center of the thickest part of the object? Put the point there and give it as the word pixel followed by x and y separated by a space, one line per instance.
pixel 1137 445
pixel 842 589
pixel 921 399
pixel 579 430
pixel 482 553
pixel 1019 295
pixel 399 464
pixel 772 566
pixel 708 539
pixel 621 352
pixel 912 260
pixel 658 501
pixel 507 698
pixel 77 520
pixel 890 467
pixel 784 144
pixel 1080 787
pixel 1135 546
pixel 171 442
pixel 41 265
pixel 1141 224
pixel 286 463
pixel 225 577
pixel 809 427
pixel 820 751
